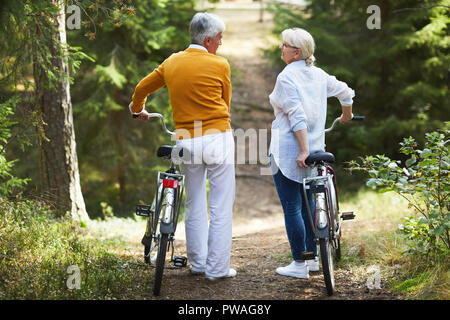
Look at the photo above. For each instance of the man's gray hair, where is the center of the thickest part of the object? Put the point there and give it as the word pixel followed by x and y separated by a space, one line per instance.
pixel 204 25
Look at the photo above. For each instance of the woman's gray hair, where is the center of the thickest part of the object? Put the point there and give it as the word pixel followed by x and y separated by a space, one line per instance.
pixel 302 39
pixel 204 25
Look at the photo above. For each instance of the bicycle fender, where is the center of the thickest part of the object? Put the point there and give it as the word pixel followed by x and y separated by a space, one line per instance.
pixel 322 233
pixel 166 228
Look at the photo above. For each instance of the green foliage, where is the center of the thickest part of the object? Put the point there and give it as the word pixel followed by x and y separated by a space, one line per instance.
pixel 117 155
pixel 8 182
pixel 424 278
pixel 36 251
pixel 399 72
pixel 424 182
pixel 118 44
pixel 107 210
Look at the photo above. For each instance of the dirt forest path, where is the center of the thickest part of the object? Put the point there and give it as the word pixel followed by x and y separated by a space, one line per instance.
pixel 259 242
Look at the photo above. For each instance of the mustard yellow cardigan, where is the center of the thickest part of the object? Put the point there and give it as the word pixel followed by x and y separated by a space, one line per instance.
pixel 199 90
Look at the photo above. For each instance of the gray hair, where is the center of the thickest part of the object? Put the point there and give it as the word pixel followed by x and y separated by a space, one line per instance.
pixel 302 39
pixel 204 25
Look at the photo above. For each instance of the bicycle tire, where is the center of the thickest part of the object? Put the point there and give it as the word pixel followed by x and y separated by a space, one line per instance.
pixel 326 257
pixel 160 261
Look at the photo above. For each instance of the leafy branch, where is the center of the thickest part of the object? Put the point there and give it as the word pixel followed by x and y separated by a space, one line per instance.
pixel 423 181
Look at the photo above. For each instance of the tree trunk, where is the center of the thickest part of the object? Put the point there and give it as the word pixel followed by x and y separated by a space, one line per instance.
pixel 59 162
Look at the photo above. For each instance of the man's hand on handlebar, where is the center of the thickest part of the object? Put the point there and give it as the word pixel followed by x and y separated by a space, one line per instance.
pixel 141 116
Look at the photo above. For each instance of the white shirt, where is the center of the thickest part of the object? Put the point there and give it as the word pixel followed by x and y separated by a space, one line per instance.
pixel 197 46
pixel 299 101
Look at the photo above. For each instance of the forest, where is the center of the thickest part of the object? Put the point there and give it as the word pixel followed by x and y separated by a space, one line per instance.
pixel 70 153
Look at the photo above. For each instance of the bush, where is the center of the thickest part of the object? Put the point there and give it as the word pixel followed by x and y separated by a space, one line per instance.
pixel 423 181
pixel 36 251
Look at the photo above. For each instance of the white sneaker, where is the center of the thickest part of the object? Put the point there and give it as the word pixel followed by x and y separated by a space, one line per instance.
pixel 196 272
pixel 297 270
pixel 231 274
pixel 313 265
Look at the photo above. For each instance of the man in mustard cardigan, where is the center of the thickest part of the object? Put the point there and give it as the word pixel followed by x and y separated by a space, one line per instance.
pixel 199 88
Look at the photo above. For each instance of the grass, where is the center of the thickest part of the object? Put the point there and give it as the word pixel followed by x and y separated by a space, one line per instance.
pixel 36 250
pixel 373 238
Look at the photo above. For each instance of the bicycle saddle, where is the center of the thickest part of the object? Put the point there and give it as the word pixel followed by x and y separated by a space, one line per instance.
pixel 320 156
pixel 166 151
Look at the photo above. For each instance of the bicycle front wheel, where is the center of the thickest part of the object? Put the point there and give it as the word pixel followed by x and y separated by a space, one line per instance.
pixel 160 261
pixel 326 256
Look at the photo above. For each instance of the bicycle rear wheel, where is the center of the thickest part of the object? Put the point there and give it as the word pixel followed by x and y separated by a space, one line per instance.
pixel 326 256
pixel 160 261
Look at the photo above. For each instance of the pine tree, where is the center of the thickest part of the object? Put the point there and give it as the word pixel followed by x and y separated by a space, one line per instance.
pixel 118 154
pixel 34 33
pixel 400 72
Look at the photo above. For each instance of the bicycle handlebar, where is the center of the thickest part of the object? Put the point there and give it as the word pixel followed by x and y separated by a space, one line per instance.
pixel 355 118
pixel 158 115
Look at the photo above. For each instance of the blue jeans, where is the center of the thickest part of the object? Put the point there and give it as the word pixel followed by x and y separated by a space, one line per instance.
pixel 296 218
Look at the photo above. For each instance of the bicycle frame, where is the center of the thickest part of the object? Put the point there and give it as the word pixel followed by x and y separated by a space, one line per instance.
pixel 325 189
pixel 167 201
pixel 327 219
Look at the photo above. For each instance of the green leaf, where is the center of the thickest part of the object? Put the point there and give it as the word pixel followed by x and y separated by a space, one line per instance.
pixel 110 74
pixel 410 161
pixel 373 182
pixel 426 153
pixel 439 230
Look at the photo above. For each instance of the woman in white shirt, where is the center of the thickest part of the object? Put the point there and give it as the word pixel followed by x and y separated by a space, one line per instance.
pixel 299 100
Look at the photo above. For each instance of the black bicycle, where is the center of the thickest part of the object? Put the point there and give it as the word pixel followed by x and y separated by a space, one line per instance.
pixel 163 213
pixel 326 221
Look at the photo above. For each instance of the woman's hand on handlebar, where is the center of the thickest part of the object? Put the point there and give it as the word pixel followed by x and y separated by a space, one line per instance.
pixel 347 114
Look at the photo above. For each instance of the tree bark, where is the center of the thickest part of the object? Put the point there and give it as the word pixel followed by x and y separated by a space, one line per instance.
pixel 59 162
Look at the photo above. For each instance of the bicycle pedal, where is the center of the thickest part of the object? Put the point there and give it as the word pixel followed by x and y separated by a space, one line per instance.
pixel 179 261
pixel 348 215
pixel 144 210
pixel 308 255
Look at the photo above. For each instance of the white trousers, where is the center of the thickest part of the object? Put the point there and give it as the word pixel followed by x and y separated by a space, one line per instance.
pixel 208 245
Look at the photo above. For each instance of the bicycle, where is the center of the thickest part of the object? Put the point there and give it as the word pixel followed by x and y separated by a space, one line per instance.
pixel 327 219
pixel 163 213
